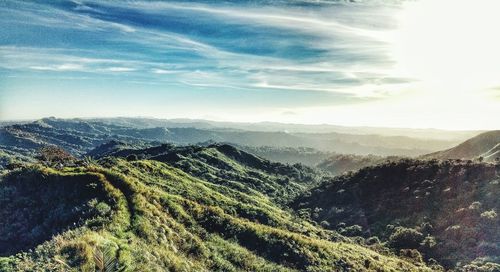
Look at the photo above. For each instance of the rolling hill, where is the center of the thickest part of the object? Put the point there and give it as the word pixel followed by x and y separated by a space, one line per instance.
pixel 80 136
pixel 340 163
pixel 485 145
pixel 170 211
pixel 225 165
pixel 145 198
pixel 303 155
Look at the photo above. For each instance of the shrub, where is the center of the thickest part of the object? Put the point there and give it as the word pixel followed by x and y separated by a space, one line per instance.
pixel 412 255
pixel 324 224
pixel 373 240
pixel 53 155
pixel 479 266
pixel 491 214
pixel 476 205
pixel 428 242
pixel 426 228
pixel 354 230
pixel 132 157
pixel 407 238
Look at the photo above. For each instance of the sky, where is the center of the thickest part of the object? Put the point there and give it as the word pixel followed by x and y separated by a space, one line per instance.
pixel 417 64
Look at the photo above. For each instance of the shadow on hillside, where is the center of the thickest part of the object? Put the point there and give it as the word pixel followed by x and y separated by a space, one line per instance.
pixel 36 205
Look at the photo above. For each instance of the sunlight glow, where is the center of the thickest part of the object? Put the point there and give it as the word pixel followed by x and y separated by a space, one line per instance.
pixel 450 44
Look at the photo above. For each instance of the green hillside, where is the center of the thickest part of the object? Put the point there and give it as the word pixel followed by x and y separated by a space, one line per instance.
pixel 146 215
pixel 226 165
pixel 447 210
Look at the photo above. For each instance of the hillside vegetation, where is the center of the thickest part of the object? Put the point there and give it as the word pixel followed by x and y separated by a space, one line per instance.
pixel 447 210
pixel 226 165
pixel 303 155
pixel 341 163
pixel 148 215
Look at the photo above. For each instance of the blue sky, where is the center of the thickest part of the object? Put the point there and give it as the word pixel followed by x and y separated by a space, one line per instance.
pixel 289 61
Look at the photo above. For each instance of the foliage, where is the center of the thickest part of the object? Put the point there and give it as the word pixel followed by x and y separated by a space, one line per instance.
pixel 303 155
pixel 226 165
pixel 150 216
pixel 340 163
pixel 405 238
pixel 444 209
pixel 53 155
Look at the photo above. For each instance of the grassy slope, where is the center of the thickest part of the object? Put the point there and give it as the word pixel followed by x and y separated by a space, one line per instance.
pixel 154 217
pixel 226 165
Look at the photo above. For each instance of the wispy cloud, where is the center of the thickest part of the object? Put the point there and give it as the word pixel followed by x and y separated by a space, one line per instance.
pixel 162 71
pixel 119 69
pixel 61 67
pixel 276 47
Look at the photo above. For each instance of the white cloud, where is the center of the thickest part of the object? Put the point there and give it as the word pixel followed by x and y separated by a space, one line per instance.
pixel 162 71
pixel 61 67
pixel 119 69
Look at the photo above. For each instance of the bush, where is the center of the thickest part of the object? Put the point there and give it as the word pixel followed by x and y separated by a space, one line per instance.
pixel 351 231
pixel 480 266
pixel 324 224
pixel 405 238
pixel 374 240
pixel 54 155
pixel 491 214
pixel 476 205
pixel 428 242
pixel 411 255
pixel 132 157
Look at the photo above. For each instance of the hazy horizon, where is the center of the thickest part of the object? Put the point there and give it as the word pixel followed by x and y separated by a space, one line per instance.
pixel 366 63
pixel 187 119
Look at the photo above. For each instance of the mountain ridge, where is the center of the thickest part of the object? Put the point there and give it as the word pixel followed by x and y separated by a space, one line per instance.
pixel 485 145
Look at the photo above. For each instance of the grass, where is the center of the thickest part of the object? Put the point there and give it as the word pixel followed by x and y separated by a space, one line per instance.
pixel 156 217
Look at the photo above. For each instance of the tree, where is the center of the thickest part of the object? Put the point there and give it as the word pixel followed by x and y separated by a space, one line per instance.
pixel 406 238
pixel 132 157
pixel 54 155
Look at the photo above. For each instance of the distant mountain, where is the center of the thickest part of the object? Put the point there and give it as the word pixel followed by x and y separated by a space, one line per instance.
pixel 330 162
pixel 80 136
pixel 445 209
pixel 426 134
pixel 485 145
pixel 340 163
pixel 291 155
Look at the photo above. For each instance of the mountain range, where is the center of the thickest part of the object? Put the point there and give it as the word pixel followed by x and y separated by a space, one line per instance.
pixel 128 195
pixel 80 136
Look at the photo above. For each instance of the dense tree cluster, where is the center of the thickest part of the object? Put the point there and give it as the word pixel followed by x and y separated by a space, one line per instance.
pixel 445 210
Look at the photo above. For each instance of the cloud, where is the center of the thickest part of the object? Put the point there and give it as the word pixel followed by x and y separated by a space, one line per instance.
pixel 162 71
pixel 271 47
pixel 61 67
pixel 119 69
